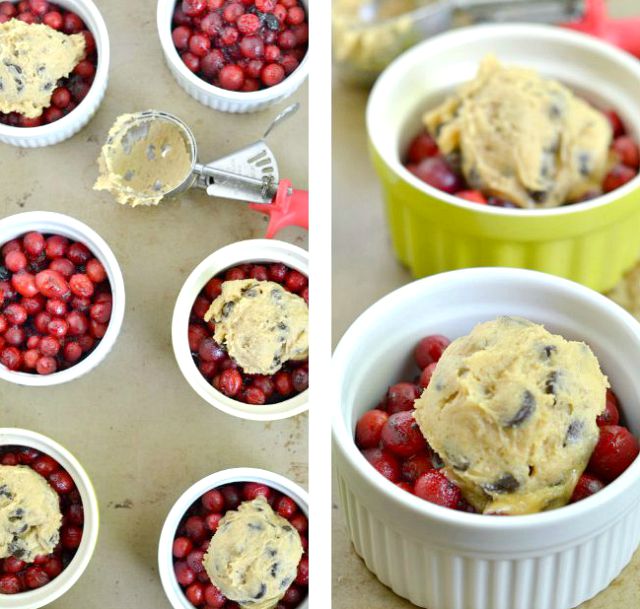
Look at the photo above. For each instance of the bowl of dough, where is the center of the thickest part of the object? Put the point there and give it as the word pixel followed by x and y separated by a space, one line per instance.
pixel 511 145
pixel 238 537
pixel 49 519
pixel 240 329
pixel 500 470
pixel 55 68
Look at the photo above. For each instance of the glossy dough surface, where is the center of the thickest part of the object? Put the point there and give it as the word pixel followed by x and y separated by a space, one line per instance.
pixel 522 137
pixel 511 410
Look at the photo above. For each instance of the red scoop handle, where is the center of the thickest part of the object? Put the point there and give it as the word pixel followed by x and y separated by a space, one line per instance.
pixel 623 33
pixel 289 208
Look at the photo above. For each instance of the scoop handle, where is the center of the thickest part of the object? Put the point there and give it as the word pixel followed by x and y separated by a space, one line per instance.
pixel 289 208
pixel 623 33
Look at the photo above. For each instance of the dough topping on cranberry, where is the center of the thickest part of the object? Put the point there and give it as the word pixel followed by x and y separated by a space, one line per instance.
pixel 253 557
pixel 261 324
pixel 30 516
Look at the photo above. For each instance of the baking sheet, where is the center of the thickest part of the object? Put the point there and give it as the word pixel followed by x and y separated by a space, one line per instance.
pixel 140 431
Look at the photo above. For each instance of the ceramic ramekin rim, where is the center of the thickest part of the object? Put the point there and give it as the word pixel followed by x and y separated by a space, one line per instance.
pixel 27 221
pixel 296 78
pixel 192 494
pixel 343 437
pixel 101 36
pixel 494 31
pixel 236 253
pixel 72 573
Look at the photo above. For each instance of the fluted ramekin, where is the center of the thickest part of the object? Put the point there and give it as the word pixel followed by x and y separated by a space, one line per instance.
pixel 593 242
pixel 228 476
pixel 40 597
pixel 238 102
pixel 242 252
pixel 60 224
pixel 444 559
pixel 69 125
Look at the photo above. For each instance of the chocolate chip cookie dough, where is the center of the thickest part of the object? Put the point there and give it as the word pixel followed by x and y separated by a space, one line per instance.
pixel 30 516
pixel 511 410
pixel 142 161
pixel 254 555
pixel 261 324
pixel 522 137
pixel 32 60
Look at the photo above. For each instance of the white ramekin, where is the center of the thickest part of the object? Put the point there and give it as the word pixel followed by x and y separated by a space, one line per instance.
pixel 216 97
pixel 60 224
pixel 443 559
pixel 69 125
pixel 228 476
pixel 61 584
pixel 251 251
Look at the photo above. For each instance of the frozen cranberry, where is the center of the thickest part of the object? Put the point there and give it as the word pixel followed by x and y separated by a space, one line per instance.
pixel 46 365
pixel 15 336
pixel 45 465
pixel 300 379
pixel 230 382
pixel 617 448
pixel 231 77
pixel 587 485
pixel 213 501
pixel 182 546
pixel 53 567
pixel 63 266
pixel 81 285
pixel 229 37
pixel 435 487
pixel 426 374
pixel 72 352
pixel 62 482
pixel 11 564
pixel 248 24
pixel 383 461
pixel 52 284
pixel 58 328
pixel 15 261
pixel 210 351
pixel 194 560
pixel 191 61
pixel 54 20
pixel 15 314
pixel 86 342
pixel 184 574
pixel 611 413
pixel 265 384
pixel 286 507
pixel 199 45
pixel 194 8
pixel 253 490
pixel 402 396
pixel 101 312
pixel 33 242
pixel 254 396
pixel 272 74
pixel 95 271
pixel 97 329
pixel 402 436
pixel 78 253
pixel 416 465
pixel 211 64
pixel 369 428
pixel 232 12
pixel 617 177
pixel 430 350
pixel 265 6
pixel 283 383
pixel 181 36
pixel 56 307
pixel 627 151
pixel 195 594
pixel 213 598
pixel 25 284
pixel 78 323
pixel 49 346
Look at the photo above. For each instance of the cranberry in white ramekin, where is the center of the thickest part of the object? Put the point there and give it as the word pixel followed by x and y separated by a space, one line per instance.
pixel 240 475
pixel 216 97
pixel 445 559
pixel 69 125
pixel 59 224
pixel 251 251
pixel 39 597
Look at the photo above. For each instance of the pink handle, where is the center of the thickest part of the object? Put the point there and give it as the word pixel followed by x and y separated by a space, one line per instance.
pixel 289 208
pixel 623 33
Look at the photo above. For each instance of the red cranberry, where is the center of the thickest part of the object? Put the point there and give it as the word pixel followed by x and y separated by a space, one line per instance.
pixel 25 284
pixel 430 349
pixel 213 598
pixel 611 414
pixel 587 485
pixel 11 564
pixel 369 428
pixel 229 36
pixel 402 396
pixel 416 465
pixel 299 523
pixel 295 15
pixel 184 574
pixel 426 374
pixel 63 266
pixel 45 465
pixel 248 24
pixel 56 307
pixel 302 578
pixel 71 537
pixel 231 77
pixel 436 172
pixel 265 6
pixel 195 594
pixel 194 8
pixel 213 289
pixel 15 314
pixel 34 242
pixel 283 383
pixel 194 561
pixel 182 546
pixel 8 8
pixel 54 20
pixel 101 312
pixel 199 45
pixel 78 323
pixel 435 487
pixel 265 384
pixel 286 507
pixel 213 501
pixel 230 382
pixel 72 352
pixel 81 285
pixel 383 461
pixel 272 53
pixel 232 12
pixel 15 336
pixel 254 396
pixel 52 284
pixel 617 177
pixel 210 65
pixel 62 482
pixel 253 490
pixel 617 448
pixel 53 567
pixel 58 328
pixel 627 151
pixel 402 436
pixel 191 61
pixel 95 271
pixel 616 123
pixel 181 36
pixel 46 365
pixel 49 346
pixel 231 496
pixel 15 261
pixel 475 196
pixel 10 584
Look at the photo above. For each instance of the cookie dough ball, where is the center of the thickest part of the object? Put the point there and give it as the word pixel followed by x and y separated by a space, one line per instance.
pixel 522 137
pixel 511 410
pixel 30 516
pixel 261 324
pixel 253 557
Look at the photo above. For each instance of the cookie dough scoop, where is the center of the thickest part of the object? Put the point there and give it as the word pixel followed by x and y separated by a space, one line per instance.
pixel 511 410
pixel 253 556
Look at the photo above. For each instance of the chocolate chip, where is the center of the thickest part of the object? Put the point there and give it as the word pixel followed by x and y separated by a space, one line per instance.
pixel 262 592
pixel 555 111
pixel 460 464
pixel 551 384
pixel 274 569
pixel 527 408
pixel 505 484
pixel 538 196
pixel 574 432
pixel 5 492
pixel 271 21
pixel 584 163
pixel 227 308
pixel 548 350
pixel 255 527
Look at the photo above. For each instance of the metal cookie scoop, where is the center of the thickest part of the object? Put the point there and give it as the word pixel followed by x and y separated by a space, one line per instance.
pixel 165 153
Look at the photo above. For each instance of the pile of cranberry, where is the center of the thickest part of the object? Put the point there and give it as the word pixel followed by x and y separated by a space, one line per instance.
pixel 241 45
pixel 17 576
pixel 214 362
pixel 392 442
pixel 70 91
pixel 426 162
pixel 201 522
pixel 55 303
